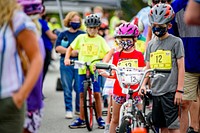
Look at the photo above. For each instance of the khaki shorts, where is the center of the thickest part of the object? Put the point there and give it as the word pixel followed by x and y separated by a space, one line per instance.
pixel 191 86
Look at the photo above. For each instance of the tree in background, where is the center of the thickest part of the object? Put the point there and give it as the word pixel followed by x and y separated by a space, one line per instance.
pixel 131 8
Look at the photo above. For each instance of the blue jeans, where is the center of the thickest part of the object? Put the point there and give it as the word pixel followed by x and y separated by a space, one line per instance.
pixel 68 74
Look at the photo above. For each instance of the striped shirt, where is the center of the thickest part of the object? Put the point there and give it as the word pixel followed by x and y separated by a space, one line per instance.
pixel 11 75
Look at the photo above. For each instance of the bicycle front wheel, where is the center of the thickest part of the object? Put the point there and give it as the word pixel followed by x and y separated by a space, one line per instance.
pixel 125 126
pixel 88 106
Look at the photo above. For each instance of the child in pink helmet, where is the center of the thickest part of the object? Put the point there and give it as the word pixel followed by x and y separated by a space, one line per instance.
pixel 126 37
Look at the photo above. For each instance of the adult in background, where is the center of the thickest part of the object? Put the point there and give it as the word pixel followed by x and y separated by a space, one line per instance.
pixel 68 74
pixel 48 37
pixel 115 20
pixel 192 13
pixel 34 111
pixel 191 38
pixel 16 28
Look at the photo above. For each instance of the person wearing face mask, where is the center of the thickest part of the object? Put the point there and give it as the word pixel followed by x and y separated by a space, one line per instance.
pixel 91 47
pixel 149 34
pixel 69 75
pixel 126 38
pixel 165 51
pixel 98 10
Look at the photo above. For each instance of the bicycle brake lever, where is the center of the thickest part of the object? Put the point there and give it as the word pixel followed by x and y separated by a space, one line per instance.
pixel 110 74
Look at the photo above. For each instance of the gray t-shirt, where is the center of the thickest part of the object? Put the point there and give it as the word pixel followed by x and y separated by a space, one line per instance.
pixel 162 85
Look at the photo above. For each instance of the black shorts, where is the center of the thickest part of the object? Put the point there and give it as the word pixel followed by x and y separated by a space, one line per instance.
pixel 164 112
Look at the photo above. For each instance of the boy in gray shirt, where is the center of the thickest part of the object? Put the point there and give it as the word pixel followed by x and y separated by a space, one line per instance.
pixel 165 51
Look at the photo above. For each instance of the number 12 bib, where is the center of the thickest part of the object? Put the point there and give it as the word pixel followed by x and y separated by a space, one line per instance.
pixel 161 59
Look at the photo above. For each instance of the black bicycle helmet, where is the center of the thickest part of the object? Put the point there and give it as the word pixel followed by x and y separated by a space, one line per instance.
pixel 161 14
pixel 92 21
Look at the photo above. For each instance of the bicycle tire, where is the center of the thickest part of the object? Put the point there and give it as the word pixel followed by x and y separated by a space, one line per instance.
pixel 95 110
pixel 125 126
pixel 88 106
pixel 140 118
pixel 151 128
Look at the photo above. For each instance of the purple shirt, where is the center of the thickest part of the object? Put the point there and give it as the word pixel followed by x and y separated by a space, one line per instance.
pixel 34 100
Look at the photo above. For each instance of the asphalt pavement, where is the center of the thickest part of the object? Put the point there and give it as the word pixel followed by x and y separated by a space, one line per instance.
pixel 54 110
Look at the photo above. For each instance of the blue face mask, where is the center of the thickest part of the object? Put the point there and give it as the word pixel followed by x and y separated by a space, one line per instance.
pixel 159 31
pixel 75 25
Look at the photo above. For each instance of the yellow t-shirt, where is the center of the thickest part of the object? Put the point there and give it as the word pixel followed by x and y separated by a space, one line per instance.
pixel 90 49
pixel 140 46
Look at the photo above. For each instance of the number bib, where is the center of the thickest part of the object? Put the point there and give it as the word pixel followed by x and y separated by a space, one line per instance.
pixel 161 59
pixel 128 63
pixel 89 50
pixel 131 76
pixel 128 78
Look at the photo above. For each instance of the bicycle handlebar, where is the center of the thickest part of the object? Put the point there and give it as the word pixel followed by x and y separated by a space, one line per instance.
pixel 80 64
pixel 119 74
pixel 103 66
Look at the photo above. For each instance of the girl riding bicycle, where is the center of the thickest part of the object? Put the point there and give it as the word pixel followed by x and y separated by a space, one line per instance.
pixel 126 37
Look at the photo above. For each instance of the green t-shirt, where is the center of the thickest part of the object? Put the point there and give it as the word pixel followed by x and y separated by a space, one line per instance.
pixel 90 49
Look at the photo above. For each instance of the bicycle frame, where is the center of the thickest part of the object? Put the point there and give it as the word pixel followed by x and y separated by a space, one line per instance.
pixel 89 102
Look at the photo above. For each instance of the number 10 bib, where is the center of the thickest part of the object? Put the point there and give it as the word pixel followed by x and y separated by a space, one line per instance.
pixel 89 50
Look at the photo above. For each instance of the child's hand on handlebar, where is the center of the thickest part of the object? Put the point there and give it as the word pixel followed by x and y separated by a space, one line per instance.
pixel 67 62
pixel 142 91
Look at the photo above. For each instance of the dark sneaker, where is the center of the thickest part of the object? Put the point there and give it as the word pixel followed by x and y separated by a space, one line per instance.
pixel 191 130
pixel 78 123
pixel 101 123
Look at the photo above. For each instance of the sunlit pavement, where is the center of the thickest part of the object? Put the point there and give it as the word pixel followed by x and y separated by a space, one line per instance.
pixel 53 120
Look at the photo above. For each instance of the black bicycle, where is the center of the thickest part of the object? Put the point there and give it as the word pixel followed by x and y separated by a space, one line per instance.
pixel 89 101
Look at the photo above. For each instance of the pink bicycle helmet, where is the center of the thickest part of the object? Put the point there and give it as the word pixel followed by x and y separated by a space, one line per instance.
pixel 161 14
pixel 127 30
pixel 31 6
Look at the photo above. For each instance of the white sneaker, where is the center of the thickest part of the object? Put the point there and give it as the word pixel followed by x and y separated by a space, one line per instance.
pixel 77 113
pixel 107 127
pixel 69 115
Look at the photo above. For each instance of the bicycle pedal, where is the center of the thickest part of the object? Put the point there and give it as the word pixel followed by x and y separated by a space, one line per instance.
pixel 117 129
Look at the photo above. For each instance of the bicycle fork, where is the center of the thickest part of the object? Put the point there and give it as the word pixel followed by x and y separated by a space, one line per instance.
pixel 126 111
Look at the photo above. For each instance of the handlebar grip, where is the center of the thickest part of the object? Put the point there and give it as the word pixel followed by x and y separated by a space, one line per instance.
pixel 71 62
pixel 162 70
pixel 102 66
pixel 148 94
